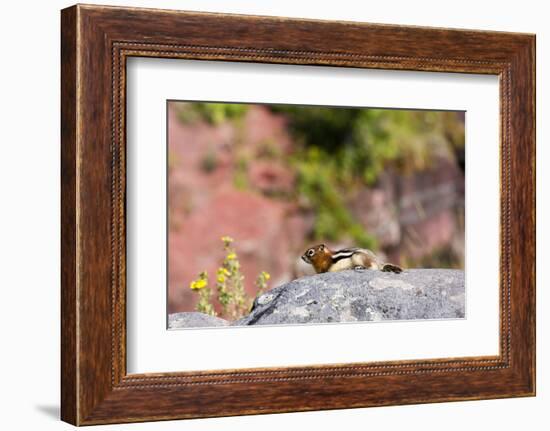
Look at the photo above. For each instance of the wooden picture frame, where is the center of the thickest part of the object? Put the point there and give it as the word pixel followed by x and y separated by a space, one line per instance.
pixel 95 43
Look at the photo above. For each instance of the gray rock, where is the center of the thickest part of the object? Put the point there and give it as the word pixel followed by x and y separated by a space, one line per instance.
pixel 355 296
pixel 194 319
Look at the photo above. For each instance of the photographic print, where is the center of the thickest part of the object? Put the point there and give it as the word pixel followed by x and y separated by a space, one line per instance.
pixel 293 214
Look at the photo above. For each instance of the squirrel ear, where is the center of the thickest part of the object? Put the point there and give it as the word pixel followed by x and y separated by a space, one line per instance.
pixel 322 247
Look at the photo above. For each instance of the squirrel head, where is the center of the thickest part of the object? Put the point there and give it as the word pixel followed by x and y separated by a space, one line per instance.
pixel 318 256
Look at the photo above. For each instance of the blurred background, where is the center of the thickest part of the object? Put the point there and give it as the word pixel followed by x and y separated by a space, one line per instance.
pixel 280 178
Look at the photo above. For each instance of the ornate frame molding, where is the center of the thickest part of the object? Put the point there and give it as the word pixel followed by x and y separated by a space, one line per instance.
pixel 96 41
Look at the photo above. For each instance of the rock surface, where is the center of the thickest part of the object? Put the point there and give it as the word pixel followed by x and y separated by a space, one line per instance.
pixel 354 296
pixel 350 296
pixel 194 319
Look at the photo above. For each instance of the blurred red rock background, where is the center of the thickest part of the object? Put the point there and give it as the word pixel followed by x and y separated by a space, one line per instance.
pixel 236 170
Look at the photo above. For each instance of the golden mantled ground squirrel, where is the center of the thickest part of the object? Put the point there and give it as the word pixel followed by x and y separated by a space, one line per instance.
pixel 325 260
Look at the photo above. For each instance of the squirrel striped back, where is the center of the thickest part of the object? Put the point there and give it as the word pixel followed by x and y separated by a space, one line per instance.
pixel 325 260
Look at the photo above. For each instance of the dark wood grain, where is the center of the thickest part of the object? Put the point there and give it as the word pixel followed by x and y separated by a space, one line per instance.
pixel 68 217
pixel 96 41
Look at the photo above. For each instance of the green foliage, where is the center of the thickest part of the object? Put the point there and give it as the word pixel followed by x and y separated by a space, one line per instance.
pixel 212 113
pixel 317 181
pixel 337 153
pixel 361 143
pixel 345 149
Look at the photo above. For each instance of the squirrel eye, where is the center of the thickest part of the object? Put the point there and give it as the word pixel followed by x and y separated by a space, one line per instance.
pixel 310 252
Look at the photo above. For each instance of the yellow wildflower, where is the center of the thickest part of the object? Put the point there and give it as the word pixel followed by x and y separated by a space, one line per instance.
pixel 221 278
pixel 227 239
pixel 231 256
pixel 198 284
pixel 266 275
